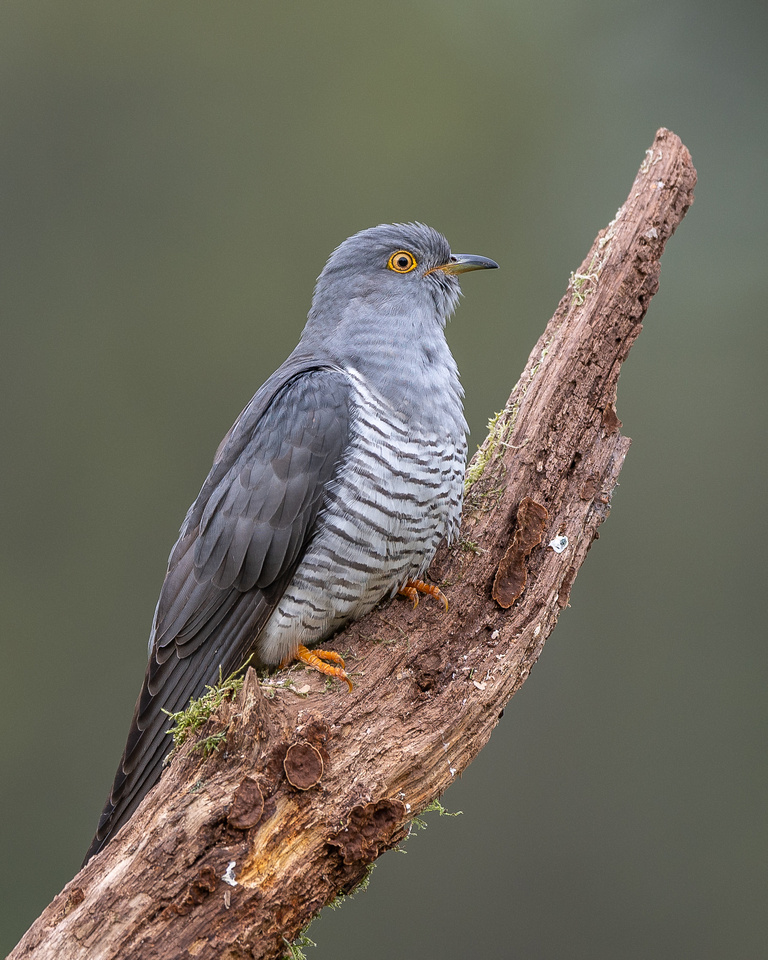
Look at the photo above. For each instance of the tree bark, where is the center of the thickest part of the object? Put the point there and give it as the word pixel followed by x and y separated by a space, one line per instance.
pixel 232 855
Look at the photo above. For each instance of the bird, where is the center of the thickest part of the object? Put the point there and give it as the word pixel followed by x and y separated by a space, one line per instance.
pixel 331 491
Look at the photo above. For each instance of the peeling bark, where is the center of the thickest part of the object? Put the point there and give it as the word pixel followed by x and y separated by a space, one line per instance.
pixel 232 855
pixel 512 573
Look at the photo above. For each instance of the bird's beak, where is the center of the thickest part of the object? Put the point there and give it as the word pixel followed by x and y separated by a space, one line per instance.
pixel 464 262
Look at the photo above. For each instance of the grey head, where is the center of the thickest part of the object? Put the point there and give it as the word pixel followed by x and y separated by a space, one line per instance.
pixel 382 301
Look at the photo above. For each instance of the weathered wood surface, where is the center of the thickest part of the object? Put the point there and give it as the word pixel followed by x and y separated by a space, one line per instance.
pixel 231 856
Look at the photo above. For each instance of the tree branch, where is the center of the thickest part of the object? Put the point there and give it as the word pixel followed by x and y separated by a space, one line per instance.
pixel 232 855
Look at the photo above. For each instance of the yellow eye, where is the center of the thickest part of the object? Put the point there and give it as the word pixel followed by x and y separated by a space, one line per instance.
pixel 402 262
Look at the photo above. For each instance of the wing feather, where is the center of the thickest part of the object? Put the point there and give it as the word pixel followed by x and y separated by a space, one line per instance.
pixel 239 546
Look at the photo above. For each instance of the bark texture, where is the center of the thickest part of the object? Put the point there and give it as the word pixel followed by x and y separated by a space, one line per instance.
pixel 230 856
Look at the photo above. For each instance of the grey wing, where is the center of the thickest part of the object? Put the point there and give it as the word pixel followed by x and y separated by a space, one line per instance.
pixel 238 549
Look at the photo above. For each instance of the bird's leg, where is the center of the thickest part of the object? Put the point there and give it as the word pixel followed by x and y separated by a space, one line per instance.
pixel 317 659
pixel 412 589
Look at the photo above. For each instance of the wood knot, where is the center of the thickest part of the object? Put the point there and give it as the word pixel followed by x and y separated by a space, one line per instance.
pixel 75 897
pixel 611 422
pixel 428 670
pixel 590 488
pixel 371 828
pixel 247 805
pixel 203 885
pixel 512 574
pixel 303 765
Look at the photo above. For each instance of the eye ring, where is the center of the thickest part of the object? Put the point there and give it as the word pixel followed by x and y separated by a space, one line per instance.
pixel 402 261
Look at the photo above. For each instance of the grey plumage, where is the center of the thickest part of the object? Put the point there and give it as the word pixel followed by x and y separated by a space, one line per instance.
pixel 334 486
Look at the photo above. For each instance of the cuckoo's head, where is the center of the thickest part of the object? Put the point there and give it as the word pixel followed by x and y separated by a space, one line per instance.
pixel 399 271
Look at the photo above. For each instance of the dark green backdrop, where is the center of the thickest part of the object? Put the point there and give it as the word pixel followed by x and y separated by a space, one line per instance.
pixel 173 176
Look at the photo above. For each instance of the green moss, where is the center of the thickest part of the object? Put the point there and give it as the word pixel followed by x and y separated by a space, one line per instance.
pixel 581 282
pixel 211 744
pixel 360 888
pixel 499 428
pixel 470 546
pixel 187 722
pixel 434 807
pixel 296 949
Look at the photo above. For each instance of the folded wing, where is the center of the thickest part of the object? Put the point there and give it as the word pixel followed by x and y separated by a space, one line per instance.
pixel 238 549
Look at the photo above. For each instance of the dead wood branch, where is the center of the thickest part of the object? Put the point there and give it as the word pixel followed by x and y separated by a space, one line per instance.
pixel 232 855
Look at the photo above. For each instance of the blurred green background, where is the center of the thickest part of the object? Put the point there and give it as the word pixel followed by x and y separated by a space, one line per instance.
pixel 173 178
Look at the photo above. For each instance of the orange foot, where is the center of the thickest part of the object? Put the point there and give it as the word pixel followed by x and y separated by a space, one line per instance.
pixel 412 589
pixel 317 660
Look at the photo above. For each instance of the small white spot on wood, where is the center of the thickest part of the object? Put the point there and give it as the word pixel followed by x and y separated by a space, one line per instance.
pixel 495 635
pixel 537 631
pixel 559 544
pixel 453 771
pixel 479 685
pixel 229 875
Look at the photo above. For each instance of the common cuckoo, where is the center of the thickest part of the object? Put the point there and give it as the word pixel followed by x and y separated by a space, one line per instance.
pixel 331 491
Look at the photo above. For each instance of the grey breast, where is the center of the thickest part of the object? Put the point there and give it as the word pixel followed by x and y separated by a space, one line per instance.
pixel 397 495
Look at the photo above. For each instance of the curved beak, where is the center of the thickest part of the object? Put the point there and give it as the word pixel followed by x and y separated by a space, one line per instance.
pixel 464 262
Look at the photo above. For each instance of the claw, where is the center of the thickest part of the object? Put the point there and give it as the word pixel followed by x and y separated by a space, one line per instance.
pixel 322 660
pixel 412 588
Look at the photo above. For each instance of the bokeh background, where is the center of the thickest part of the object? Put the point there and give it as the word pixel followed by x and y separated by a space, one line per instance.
pixel 173 177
